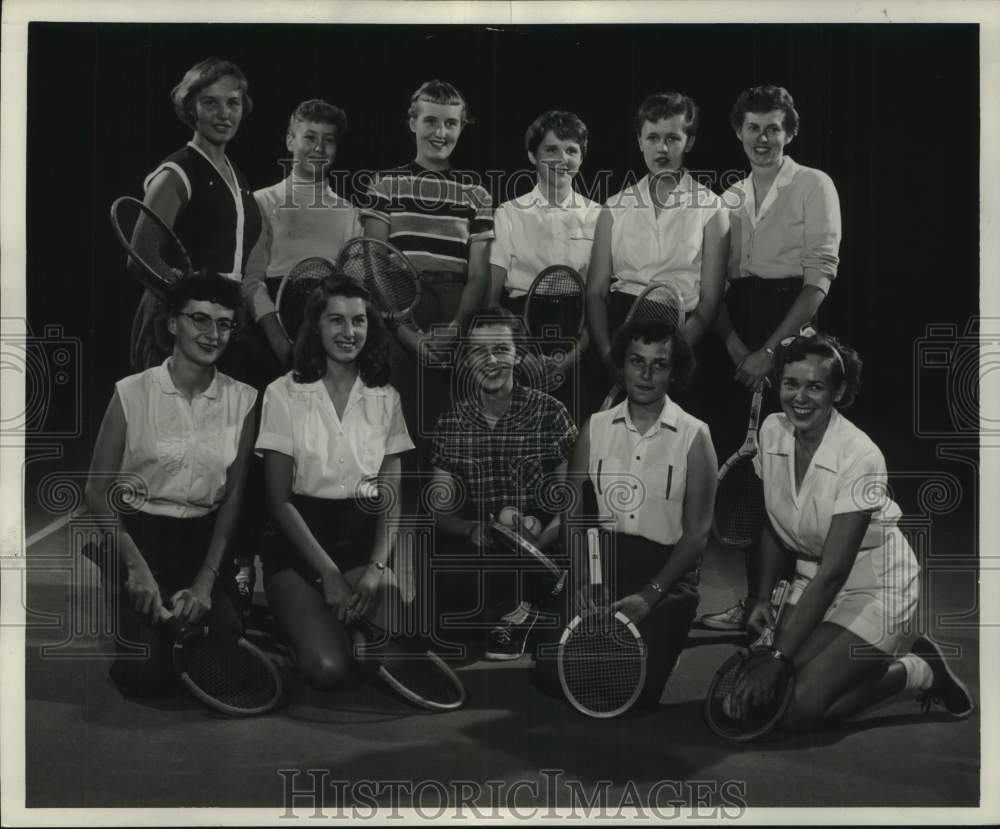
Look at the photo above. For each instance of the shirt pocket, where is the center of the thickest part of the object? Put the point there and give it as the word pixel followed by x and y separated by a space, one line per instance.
pixel 667 482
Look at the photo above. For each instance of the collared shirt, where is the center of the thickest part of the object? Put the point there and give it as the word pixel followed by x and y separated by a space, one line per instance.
pixel 640 479
pixel 532 234
pixel 433 216
pixel 847 474
pixel 796 229
pixel 305 222
pixel 511 463
pixel 183 450
pixel 332 457
pixel 646 248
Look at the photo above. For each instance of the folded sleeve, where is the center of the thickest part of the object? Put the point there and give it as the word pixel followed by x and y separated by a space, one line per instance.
pixel 502 248
pixel 821 244
pixel 275 421
pixel 398 439
pixel 863 487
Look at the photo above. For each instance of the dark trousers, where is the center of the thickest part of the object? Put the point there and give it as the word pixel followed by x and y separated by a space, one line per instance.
pixel 174 549
pixel 634 561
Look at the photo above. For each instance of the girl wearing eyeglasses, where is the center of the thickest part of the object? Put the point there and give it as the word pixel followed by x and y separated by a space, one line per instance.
pixel 332 432
pixel 178 436
pixel 856 586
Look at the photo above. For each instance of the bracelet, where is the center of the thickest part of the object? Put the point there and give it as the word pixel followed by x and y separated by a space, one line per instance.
pixel 211 569
pixel 769 351
pixel 776 654
pixel 378 565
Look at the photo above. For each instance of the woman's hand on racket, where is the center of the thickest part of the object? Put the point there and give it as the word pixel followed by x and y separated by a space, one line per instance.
pixel 753 368
pixel 754 686
pixel 362 600
pixel 761 617
pixel 634 606
pixel 143 591
pixel 337 593
pixel 191 604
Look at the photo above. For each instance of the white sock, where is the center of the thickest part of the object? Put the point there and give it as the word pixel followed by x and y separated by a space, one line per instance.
pixel 518 614
pixel 919 676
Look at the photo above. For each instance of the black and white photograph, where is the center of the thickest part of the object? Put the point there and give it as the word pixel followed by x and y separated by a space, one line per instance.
pixel 499 411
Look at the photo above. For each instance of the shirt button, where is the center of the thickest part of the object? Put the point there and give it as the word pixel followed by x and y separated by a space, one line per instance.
pixel 638 458
pixel 340 459
pixel 632 516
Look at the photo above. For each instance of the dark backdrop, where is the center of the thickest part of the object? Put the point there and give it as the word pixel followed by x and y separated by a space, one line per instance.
pixel 890 112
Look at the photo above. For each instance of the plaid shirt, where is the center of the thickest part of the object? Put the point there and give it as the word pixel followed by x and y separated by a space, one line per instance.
pixel 510 464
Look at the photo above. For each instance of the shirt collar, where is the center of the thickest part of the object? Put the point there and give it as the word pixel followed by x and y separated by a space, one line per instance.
pixel 827 454
pixel 162 375
pixel 537 197
pixel 683 189
pixel 785 175
pixel 668 415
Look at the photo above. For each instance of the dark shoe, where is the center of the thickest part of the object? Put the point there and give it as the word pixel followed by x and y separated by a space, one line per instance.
pixel 734 618
pixel 508 639
pixel 947 689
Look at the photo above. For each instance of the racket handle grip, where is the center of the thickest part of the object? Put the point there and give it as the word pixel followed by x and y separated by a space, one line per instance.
pixel 594 555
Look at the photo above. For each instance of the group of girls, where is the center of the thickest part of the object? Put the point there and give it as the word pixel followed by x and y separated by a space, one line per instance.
pixel 333 430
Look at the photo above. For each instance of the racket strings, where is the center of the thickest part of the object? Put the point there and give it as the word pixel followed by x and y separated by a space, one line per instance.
pixel 296 287
pixel 151 242
pixel 602 665
pixel 739 508
pixel 556 301
pixel 659 304
pixel 230 673
pixel 755 719
pixel 383 272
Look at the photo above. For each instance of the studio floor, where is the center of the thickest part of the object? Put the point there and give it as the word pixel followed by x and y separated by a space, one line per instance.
pixel 87 746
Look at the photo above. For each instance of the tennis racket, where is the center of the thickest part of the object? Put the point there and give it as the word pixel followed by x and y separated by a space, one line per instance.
pixel 739 494
pixel 554 314
pixel 408 668
pixel 601 657
pixel 387 274
pixel 660 302
pixel 763 718
pixel 156 256
pixel 295 288
pixel 225 672
pixel 513 543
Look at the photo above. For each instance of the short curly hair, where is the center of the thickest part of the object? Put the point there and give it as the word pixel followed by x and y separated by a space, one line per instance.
pixel 202 286
pixel 309 356
pixel 662 105
pixel 201 75
pixel 566 126
pixel 845 364
pixel 761 99
pixel 319 111
pixel 682 361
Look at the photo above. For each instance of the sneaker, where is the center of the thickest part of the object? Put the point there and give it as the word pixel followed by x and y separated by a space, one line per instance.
pixel 508 638
pixel 946 689
pixel 735 618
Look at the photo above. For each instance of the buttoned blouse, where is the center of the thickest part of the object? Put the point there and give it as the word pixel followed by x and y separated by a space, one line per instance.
pixel 846 474
pixel 182 450
pixel 640 479
pixel 533 233
pixel 797 227
pixel 646 248
pixel 332 457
